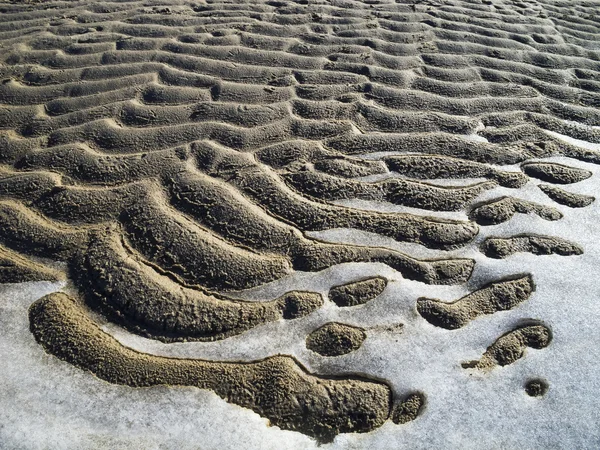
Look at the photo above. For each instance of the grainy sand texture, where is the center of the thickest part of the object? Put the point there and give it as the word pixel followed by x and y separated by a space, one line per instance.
pixel 337 223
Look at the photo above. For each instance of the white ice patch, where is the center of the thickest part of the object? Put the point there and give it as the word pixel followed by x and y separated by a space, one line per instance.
pixel 454 182
pixel 573 141
pixel 581 125
pixel 475 138
pixel 372 205
pixel 47 403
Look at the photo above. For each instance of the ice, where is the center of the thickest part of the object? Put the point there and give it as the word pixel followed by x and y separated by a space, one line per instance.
pixel 573 141
pixel 476 138
pixel 581 125
pixel 46 403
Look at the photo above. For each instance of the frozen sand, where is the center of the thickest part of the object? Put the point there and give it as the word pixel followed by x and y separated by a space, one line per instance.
pixel 47 403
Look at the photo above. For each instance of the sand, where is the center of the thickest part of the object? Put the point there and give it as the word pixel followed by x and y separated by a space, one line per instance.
pixel 167 158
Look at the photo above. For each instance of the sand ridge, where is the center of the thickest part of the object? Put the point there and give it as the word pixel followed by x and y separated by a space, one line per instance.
pixel 511 346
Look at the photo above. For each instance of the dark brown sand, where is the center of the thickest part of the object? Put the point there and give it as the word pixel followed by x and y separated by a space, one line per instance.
pixel 555 173
pixel 565 197
pixel 335 339
pixel 498 296
pixel 169 154
pixel 538 245
pixel 357 292
pixel 511 346
pixel 502 210
pixel 408 409
pixel 536 387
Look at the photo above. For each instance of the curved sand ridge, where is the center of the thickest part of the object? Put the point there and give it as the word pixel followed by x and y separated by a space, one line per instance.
pixel 168 154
